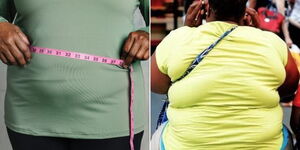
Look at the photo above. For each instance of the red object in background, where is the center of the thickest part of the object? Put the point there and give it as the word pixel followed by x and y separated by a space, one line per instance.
pixel 270 20
pixel 157 3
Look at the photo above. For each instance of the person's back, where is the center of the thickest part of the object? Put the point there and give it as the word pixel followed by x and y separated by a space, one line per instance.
pixel 230 100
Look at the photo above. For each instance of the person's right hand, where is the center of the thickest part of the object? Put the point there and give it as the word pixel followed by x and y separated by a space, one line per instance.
pixel 14 45
pixel 194 14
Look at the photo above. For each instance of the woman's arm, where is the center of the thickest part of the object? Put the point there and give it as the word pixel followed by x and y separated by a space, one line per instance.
pixel 284 26
pixel 136 46
pixel 286 33
pixel 295 23
pixel 194 14
pixel 14 45
pixel 160 82
pixel 290 84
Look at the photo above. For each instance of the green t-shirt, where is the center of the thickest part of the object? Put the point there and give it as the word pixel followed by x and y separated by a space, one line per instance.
pixel 61 97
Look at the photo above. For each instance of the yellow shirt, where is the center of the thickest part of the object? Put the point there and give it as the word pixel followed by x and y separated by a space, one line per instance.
pixel 230 100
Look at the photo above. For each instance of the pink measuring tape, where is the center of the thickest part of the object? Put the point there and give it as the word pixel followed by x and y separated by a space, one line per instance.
pixel 98 59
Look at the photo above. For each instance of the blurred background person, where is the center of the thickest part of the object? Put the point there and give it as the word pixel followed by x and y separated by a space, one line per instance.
pixel 281 6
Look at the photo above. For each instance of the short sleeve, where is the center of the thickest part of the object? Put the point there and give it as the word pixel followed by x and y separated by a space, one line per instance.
pixel 282 51
pixel 165 49
pixel 280 47
pixel 162 53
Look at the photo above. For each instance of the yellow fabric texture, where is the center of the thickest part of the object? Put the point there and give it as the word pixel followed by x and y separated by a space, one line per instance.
pixel 229 101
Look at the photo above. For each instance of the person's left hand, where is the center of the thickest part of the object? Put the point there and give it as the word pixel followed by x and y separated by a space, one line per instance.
pixel 135 47
pixel 251 18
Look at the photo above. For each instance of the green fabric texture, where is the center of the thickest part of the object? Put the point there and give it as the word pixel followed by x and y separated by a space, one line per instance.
pixel 3 19
pixel 61 97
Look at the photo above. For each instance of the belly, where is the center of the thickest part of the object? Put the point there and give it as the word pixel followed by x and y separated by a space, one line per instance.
pixel 60 78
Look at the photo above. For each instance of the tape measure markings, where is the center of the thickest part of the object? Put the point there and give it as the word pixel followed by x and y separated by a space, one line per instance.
pixel 76 55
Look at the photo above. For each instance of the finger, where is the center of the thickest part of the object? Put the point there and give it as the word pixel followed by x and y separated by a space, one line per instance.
pixel 16 54
pixel 196 10
pixel 140 54
pixel 254 16
pixel 3 58
pixel 132 53
pixel 23 48
pixel 245 20
pixel 250 10
pixel 146 55
pixel 198 19
pixel 9 56
pixel 22 36
pixel 191 8
pixel 249 20
pixel 143 49
pixel 127 46
pixel 255 21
